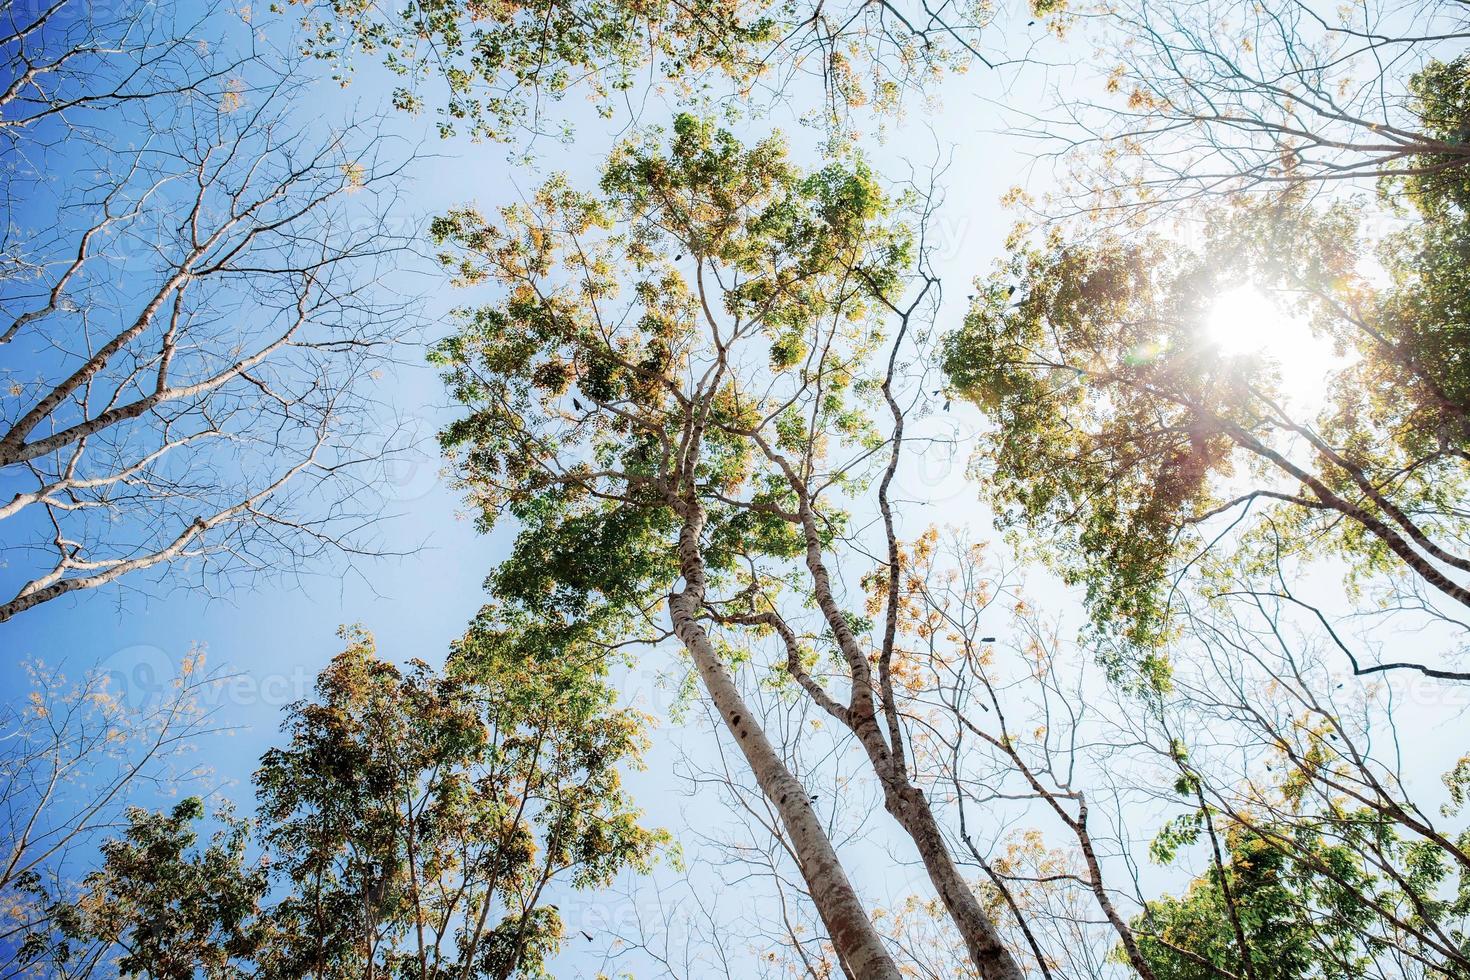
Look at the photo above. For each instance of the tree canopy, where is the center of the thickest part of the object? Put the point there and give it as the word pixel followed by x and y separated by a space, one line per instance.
pixel 1126 435
pixel 495 69
pixel 413 823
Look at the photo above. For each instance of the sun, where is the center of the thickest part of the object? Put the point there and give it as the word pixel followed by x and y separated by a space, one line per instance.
pixel 1246 321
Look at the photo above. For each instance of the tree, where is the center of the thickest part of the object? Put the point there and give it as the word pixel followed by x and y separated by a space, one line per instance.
pixel 1128 437
pixel 1316 847
pixel 1314 909
pixel 415 824
pixel 975 708
pixel 1220 98
pixel 1322 849
pixel 65 64
pixel 1195 495
pixel 190 315
pixel 419 820
pixel 78 754
pixel 164 908
pixel 497 68
pixel 696 433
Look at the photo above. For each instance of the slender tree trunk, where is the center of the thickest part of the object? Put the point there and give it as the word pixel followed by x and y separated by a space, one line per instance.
pixel 902 799
pixel 908 805
pixel 857 943
pixel 1095 876
pixel 987 952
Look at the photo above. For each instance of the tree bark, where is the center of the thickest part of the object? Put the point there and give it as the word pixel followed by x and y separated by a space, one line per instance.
pixel 987 952
pixel 856 942
pixel 902 799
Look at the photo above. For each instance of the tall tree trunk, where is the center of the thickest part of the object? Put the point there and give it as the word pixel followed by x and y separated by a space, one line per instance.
pixel 987 952
pixel 908 805
pixel 857 943
pixel 905 801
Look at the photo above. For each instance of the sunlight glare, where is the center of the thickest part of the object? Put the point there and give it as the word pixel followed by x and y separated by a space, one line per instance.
pixel 1245 321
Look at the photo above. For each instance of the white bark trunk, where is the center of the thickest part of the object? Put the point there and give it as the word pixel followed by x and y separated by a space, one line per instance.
pixel 857 943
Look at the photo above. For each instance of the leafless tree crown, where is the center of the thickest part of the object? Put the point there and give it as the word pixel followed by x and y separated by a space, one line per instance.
pixel 191 308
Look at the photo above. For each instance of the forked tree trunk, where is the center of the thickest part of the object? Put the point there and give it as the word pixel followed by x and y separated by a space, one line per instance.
pixel 902 799
pixel 857 943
